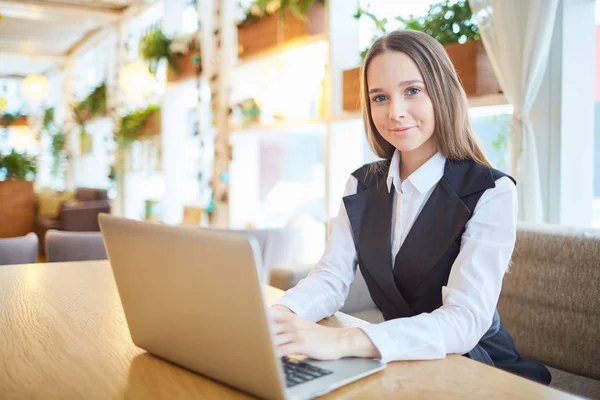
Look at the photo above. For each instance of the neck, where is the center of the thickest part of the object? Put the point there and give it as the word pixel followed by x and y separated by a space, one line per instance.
pixel 413 160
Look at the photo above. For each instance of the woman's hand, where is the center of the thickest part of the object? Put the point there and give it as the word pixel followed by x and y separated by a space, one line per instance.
pixel 295 335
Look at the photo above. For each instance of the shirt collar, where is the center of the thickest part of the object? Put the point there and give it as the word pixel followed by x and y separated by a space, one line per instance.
pixel 423 178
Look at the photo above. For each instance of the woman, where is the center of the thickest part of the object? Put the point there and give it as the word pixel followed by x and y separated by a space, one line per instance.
pixel 432 227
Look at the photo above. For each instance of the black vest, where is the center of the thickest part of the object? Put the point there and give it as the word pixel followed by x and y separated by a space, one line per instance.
pixel 422 266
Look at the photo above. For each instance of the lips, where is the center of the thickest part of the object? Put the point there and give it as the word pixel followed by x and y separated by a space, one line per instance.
pixel 402 129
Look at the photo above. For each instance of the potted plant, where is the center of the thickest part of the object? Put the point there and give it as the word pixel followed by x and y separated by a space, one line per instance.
pixel 17 198
pixel 17 166
pixel 452 24
pixel 139 125
pixel 57 147
pixel 48 117
pixel 268 23
pixel 13 119
pixel 181 52
pixel 94 105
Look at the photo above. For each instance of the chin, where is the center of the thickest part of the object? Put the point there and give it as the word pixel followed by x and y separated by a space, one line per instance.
pixel 405 146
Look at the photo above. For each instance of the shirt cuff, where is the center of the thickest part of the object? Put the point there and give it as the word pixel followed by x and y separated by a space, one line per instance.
pixel 381 339
pixel 292 305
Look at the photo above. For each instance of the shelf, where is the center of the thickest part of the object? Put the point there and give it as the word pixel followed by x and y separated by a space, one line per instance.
pixel 279 126
pixel 495 99
pixel 288 46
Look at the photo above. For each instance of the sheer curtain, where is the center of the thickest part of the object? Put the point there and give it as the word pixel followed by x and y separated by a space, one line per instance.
pixel 516 35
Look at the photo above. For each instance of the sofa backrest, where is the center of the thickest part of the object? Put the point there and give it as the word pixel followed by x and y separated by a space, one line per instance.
pixel 550 300
pixel 90 194
pixel 19 250
pixel 74 246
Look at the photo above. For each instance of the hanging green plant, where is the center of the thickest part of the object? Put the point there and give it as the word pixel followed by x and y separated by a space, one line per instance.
pixel 18 166
pixel 48 117
pixel 138 125
pixel 59 138
pixel 181 52
pixel 92 106
pixel 156 46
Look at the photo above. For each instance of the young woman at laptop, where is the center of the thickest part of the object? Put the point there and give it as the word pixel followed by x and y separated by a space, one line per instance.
pixel 432 227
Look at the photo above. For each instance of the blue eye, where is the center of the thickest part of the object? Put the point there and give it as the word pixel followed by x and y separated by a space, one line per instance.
pixel 413 91
pixel 379 99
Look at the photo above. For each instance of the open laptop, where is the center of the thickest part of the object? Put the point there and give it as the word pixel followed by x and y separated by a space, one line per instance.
pixel 193 297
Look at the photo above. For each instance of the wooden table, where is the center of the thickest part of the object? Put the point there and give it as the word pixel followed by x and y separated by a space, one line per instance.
pixel 63 335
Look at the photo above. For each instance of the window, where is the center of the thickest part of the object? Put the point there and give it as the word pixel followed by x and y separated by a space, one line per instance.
pixel 492 126
pixel 277 176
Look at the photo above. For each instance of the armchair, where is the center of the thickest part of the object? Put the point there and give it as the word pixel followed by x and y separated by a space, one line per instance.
pixel 80 215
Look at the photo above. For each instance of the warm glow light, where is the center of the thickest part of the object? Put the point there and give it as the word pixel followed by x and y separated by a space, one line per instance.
pixel 22 139
pixel 136 80
pixel 3 104
pixel 36 87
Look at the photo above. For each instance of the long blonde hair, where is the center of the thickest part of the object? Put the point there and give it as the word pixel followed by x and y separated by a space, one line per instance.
pixel 453 132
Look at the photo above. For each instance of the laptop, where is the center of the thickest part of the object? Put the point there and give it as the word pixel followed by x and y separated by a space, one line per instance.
pixel 193 297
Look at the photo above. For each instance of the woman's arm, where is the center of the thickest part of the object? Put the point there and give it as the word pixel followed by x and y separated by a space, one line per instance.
pixel 469 299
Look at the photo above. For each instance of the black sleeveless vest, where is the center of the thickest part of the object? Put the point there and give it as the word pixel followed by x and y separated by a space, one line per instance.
pixel 422 265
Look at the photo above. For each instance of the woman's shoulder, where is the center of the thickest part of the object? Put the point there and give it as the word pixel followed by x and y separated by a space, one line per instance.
pixel 468 176
pixel 371 172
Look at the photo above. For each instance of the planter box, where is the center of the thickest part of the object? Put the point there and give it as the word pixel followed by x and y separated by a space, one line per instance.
pixel 151 127
pixel 189 67
pixel 17 208
pixel 351 89
pixel 270 31
pixel 473 67
pixel 21 120
pixel 470 60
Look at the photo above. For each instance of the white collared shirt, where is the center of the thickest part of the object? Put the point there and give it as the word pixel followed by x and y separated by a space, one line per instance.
pixel 468 300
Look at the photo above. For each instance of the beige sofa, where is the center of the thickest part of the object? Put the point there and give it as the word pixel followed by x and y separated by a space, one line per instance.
pixel 550 302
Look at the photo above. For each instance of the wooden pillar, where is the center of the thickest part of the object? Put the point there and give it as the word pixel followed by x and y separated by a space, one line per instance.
pixel 218 55
pixel 70 125
pixel 117 60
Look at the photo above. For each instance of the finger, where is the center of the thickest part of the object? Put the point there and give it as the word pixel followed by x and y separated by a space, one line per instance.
pixel 281 316
pixel 284 338
pixel 282 327
pixel 290 348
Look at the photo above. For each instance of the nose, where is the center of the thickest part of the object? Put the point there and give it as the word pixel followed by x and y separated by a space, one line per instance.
pixel 397 108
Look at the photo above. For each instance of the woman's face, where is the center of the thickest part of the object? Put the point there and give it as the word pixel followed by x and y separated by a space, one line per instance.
pixel 400 105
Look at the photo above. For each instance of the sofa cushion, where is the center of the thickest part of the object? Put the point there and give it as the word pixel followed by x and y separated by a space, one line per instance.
pixel 575 384
pixel 550 302
pixel 49 202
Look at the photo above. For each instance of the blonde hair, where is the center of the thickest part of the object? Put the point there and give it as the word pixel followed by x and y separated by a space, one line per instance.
pixel 455 137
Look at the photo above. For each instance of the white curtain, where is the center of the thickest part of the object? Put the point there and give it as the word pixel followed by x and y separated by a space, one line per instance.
pixel 516 35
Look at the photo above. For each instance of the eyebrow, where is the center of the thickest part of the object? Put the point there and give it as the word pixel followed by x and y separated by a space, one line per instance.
pixel 403 83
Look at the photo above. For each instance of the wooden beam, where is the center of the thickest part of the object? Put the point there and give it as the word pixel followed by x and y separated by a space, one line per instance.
pixel 34 56
pixel 49 11
pixel 84 40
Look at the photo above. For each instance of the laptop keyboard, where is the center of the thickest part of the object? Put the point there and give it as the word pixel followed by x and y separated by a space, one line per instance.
pixel 297 371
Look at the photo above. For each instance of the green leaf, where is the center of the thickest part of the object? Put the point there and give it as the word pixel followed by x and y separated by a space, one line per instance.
pixel 132 124
pixel 18 166
pixel 448 21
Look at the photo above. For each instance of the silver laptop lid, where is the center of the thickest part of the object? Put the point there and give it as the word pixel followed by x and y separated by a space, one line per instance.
pixel 193 297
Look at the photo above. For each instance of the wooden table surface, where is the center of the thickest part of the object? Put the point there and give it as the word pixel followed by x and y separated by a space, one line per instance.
pixel 63 335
